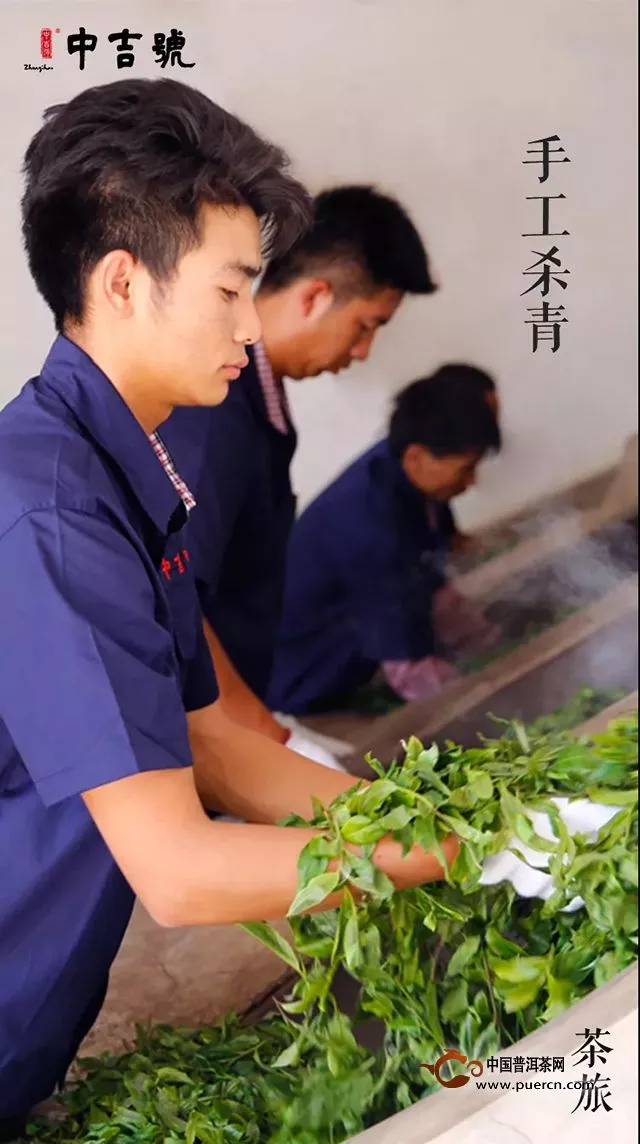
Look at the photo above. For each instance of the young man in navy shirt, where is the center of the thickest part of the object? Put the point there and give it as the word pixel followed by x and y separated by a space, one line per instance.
pixel 320 304
pixel 367 558
pixel 143 214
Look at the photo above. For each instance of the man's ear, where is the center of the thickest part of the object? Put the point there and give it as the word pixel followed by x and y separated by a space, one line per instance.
pixel 411 457
pixel 316 298
pixel 415 460
pixel 115 278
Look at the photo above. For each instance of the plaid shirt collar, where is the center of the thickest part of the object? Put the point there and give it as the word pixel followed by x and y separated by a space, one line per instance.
pixel 277 407
pixel 164 457
pixel 275 398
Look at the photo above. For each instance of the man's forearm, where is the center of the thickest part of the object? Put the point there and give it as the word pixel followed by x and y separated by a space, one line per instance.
pixel 241 873
pixel 237 698
pixel 188 870
pixel 240 772
pixel 237 873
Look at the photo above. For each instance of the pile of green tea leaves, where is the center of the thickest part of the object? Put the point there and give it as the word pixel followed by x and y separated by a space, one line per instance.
pixel 585 704
pixel 450 964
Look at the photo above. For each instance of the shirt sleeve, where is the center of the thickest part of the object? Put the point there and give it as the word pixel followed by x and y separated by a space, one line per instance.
pixel 89 688
pixel 200 686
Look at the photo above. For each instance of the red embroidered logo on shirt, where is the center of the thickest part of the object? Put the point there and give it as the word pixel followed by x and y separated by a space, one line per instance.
pixel 177 563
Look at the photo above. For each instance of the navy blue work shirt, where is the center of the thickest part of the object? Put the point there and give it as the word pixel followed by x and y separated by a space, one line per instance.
pixel 363 564
pixel 237 465
pixel 97 671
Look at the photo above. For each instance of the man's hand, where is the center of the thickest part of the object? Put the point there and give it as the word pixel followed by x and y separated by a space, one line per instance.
pixel 421 679
pixel 461 626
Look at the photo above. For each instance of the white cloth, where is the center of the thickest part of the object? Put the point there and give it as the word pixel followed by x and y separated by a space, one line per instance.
pixel 312 750
pixel 580 816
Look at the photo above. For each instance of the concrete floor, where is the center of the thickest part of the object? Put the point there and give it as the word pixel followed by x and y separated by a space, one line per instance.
pixel 188 976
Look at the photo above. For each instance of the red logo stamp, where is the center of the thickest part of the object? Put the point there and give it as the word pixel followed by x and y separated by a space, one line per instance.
pixel 46 43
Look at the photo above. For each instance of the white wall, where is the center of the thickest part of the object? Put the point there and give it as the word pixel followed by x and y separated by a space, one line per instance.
pixel 435 101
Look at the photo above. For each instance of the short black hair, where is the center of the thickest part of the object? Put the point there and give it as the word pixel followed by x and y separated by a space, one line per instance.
pixel 456 373
pixel 128 165
pixel 448 419
pixel 362 240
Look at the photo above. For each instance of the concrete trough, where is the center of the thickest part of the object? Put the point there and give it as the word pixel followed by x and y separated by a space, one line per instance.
pixel 535 1115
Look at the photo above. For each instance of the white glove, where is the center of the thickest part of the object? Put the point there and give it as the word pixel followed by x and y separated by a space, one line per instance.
pixel 303 746
pixel 580 817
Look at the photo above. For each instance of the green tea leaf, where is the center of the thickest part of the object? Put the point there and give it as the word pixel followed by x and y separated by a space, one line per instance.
pixel 520 969
pixel 574 965
pixel 516 815
pixel 424 767
pixel 413 749
pixel 561 996
pixel 456 1001
pixel 397 818
pixel 315 892
pixel 500 945
pixel 425 836
pixel 322 847
pixel 432 1016
pixel 373 797
pixel 318 807
pixel 273 941
pixel 629 870
pixel 463 956
pixel 466 867
pixel 481 785
pixel 487 1044
pixel 174 1075
pixel 607 967
pixel 200 1131
pixel 518 997
pixel 619 798
pixel 362 832
pixel 468 1034
pixel 289 1057
pixel 365 876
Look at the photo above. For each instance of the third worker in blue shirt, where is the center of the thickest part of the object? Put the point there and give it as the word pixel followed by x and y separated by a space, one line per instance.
pixel 366 559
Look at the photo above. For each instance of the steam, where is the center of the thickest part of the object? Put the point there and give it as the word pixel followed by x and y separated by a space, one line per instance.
pixel 582 570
